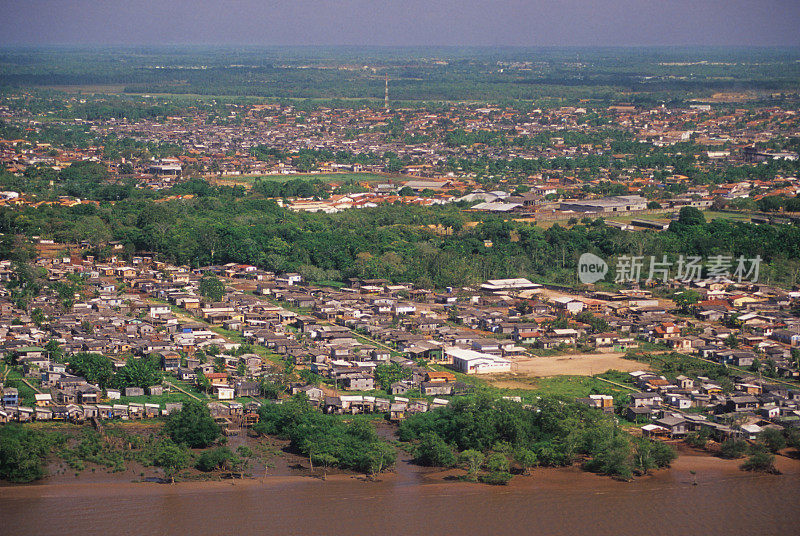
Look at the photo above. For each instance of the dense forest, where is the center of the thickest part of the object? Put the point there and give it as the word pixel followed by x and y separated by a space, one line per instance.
pixel 397 242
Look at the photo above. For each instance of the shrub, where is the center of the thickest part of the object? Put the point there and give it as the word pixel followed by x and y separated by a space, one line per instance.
pixel 499 478
pixel 733 448
pixel 772 439
pixel 434 452
pixel 23 453
pixel 760 459
pixel 697 439
pixel 497 463
pixel 217 458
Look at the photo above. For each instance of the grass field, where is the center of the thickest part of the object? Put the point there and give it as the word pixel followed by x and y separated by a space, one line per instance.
pixel 714 215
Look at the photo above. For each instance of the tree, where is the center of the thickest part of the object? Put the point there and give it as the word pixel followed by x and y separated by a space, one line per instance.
pixel 325 460
pixel 732 341
pixel 96 368
pixel 245 454
pixel 772 439
pixel 733 448
pixel 691 216
pixel 379 456
pixel 697 439
pixel 434 452
pixel 685 298
pixel 213 459
pixel 386 375
pixel 172 458
pixel 23 453
pixel 212 287
pixel 526 459
pixel 192 426
pixel 497 464
pixel 138 372
pixel 760 459
pixel 472 461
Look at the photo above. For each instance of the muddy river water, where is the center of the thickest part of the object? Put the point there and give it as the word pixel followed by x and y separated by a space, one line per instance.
pixel 412 501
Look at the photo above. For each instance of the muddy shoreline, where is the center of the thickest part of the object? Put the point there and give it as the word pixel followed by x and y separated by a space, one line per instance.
pixel 293 469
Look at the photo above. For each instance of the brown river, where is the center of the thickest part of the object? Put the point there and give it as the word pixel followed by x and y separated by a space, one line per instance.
pixel 413 501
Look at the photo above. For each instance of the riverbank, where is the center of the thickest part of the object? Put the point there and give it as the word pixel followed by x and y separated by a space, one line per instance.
pixel 292 469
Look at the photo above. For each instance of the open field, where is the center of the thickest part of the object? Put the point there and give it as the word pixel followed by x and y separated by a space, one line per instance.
pixel 714 215
pixel 576 365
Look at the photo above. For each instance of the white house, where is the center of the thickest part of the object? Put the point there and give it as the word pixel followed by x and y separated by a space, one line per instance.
pixel 472 362
pixel 223 392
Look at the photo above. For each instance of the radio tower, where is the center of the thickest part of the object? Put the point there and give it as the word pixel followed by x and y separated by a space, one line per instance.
pixel 386 92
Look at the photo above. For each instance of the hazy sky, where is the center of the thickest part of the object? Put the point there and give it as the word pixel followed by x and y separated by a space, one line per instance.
pixel 402 22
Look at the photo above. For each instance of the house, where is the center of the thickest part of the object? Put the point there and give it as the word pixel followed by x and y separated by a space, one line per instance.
pixel 170 361
pixel 401 387
pixel 676 426
pixel 678 401
pixel 569 304
pixel 313 393
pixel 436 388
pixel 605 403
pixel 185 374
pixel 10 396
pixel 244 388
pixel 638 414
pixel 134 391
pixel 742 403
pixel 223 392
pixel 684 382
pixel 792 338
pixel 639 400
pixel 359 382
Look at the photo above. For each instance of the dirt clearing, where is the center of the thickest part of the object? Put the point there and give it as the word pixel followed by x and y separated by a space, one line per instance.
pixel 574 365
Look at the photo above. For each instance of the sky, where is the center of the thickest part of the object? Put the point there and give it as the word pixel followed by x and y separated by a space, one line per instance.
pixel 402 22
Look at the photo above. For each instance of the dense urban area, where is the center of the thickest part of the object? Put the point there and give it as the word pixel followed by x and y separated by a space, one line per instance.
pixel 491 263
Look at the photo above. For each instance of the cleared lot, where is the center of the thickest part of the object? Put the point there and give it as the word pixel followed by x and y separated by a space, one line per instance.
pixel 576 365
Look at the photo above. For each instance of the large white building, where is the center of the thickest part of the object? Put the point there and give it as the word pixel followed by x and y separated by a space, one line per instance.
pixel 503 285
pixel 472 362
pixel 621 203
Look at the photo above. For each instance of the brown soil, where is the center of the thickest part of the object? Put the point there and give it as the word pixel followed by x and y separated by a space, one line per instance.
pixel 574 364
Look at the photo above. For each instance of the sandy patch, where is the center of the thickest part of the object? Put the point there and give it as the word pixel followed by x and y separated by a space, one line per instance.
pixel 575 365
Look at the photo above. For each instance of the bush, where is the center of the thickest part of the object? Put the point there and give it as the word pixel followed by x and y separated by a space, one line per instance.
pixel 500 478
pixel 433 451
pixel 23 453
pixel 471 460
pixel 733 448
pixel 772 439
pixel 697 439
pixel 760 459
pixel 217 458
pixel 497 463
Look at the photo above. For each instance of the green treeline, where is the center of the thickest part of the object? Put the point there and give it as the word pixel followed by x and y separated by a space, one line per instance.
pixel 224 225
pixel 552 433
pixel 325 439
